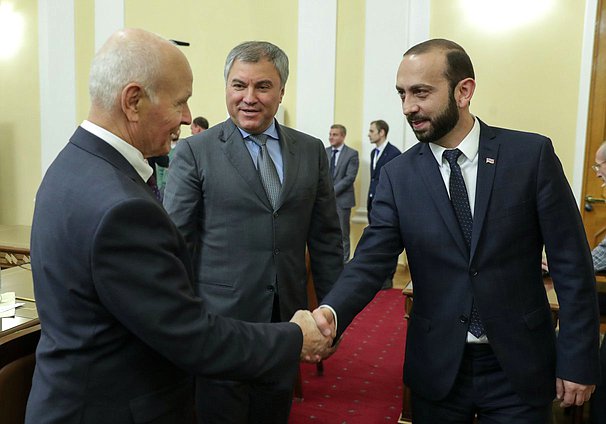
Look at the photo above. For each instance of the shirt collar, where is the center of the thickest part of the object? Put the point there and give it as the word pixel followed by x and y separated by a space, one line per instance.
pixel 469 146
pixel 130 153
pixel 271 131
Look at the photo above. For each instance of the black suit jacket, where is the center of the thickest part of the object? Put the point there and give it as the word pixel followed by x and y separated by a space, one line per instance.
pixel 121 327
pixel 523 202
pixel 388 154
pixel 243 250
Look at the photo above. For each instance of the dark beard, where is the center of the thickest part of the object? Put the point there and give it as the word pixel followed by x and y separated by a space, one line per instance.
pixel 440 125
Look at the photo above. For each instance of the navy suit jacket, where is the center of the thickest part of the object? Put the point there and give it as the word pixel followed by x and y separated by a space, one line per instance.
pixel 122 330
pixel 523 202
pixel 388 154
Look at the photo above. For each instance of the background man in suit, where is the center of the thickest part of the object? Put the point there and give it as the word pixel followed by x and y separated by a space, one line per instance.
pixel 383 152
pixel 250 195
pixel 480 337
pixel 198 125
pixel 344 165
pixel 122 329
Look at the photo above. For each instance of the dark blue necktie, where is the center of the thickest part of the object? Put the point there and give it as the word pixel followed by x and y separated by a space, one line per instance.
pixel 460 204
pixel 375 154
pixel 151 182
pixel 333 162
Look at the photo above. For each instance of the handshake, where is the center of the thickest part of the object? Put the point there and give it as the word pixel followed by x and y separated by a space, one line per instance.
pixel 319 332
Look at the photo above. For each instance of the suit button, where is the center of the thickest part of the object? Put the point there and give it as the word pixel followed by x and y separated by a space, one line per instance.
pixel 275 214
pixel 270 289
pixel 474 272
pixel 463 319
pixel 276 251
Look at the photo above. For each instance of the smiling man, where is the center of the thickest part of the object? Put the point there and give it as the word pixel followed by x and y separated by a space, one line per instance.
pixel 474 206
pixel 250 195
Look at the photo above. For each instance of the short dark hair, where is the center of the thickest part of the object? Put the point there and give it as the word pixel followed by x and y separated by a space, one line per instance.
pixel 340 128
pixel 458 63
pixel 201 122
pixel 381 125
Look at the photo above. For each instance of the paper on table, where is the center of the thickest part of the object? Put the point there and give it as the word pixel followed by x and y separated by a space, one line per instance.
pixel 8 305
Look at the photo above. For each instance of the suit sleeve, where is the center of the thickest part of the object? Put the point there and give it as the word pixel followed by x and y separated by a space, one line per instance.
pixel 375 259
pixel 142 282
pixel 571 269
pixel 351 171
pixel 183 194
pixel 324 239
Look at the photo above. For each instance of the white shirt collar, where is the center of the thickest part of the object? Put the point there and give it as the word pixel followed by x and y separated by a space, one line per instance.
pixel 469 145
pixel 130 153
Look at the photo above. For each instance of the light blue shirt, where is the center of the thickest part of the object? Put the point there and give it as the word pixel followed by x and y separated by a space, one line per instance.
pixel 273 147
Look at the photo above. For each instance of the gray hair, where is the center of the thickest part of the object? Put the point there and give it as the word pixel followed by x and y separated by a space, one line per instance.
pixel 254 51
pixel 121 61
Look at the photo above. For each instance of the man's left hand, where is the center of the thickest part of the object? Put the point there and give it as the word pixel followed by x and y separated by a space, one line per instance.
pixel 571 393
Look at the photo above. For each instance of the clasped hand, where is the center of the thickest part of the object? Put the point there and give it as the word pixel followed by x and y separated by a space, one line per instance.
pixel 318 334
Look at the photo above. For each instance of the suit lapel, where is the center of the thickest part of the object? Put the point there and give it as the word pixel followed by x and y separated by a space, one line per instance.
pixel 342 159
pixel 96 146
pixel 291 160
pixel 236 152
pixel 430 173
pixel 487 163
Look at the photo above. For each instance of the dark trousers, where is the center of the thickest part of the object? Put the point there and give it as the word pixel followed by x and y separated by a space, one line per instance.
pixel 237 402
pixel 234 402
pixel 481 388
pixel 598 400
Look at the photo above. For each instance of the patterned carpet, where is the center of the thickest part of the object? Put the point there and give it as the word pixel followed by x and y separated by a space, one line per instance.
pixel 362 381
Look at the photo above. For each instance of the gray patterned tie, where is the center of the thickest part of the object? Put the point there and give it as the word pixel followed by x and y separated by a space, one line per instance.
pixel 460 204
pixel 267 170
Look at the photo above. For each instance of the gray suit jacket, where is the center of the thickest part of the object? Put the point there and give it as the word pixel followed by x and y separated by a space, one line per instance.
pixel 345 175
pixel 244 251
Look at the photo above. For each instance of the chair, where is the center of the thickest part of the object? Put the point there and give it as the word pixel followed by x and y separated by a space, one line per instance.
pixel 15 384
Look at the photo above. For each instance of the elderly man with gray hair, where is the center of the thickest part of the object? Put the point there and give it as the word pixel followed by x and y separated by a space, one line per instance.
pixel 250 195
pixel 122 330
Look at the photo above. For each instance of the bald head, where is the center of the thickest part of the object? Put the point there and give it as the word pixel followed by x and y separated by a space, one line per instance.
pixel 130 56
pixel 139 85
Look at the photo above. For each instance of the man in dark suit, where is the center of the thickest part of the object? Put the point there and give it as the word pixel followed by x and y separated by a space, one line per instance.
pixel 122 330
pixel 343 166
pixel 383 152
pixel 480 337
pixel 250 195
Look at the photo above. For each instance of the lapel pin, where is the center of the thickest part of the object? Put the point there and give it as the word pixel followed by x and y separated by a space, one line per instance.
pixel 490 161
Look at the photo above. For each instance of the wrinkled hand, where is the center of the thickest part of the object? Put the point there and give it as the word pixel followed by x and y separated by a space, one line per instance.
pixel 326 323
pixel 315 344
pixel 570 393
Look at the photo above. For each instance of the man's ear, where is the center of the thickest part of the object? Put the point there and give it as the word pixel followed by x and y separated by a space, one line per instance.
pixel 464 92
pixel 130 101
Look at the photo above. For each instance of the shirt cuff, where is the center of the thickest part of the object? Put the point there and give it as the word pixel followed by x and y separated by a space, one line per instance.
pixel 334 314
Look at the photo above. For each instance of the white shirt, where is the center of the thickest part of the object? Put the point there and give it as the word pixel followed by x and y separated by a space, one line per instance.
pixel 468 162
pixel 338 154
pixel 375 157
pixel 130 153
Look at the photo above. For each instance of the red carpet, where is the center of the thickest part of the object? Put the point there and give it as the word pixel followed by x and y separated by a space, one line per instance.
pixel 362 381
